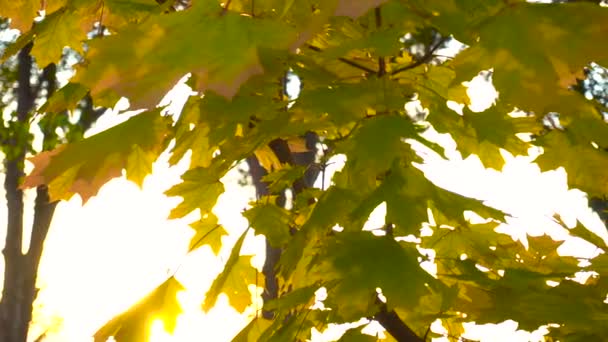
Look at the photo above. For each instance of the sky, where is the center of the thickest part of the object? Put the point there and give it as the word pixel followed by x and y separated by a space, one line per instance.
pixel 102 257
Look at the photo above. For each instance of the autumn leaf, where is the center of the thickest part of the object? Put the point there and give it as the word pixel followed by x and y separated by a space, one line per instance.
pixel 85 166
pixel 234 280
pixel 207 232
pixel 133 325
pixel 199 189
pixel 118 64
pixel 584 164
pixel 21 12
pixel 533 68
pixel 66 98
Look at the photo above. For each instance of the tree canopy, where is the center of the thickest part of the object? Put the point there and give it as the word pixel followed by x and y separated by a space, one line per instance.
pixel 359 63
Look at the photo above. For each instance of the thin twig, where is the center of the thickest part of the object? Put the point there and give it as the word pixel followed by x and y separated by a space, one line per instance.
pixel 226 6
pixel 424 59
pixel 346 61
pixel 100 33
pixel 381 60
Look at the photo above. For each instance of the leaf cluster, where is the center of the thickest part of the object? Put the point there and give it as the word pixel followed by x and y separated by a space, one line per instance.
pixel 359 62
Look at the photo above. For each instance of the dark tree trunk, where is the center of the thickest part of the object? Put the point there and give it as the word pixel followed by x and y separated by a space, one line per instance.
pixel 281 149
pixel 13 328
pixel 21 269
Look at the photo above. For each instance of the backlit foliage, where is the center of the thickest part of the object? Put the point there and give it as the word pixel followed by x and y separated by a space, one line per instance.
pixel 359 62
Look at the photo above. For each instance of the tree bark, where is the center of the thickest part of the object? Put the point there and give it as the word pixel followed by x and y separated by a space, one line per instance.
pixel 285 156
pixel 12 326
pixel 392 323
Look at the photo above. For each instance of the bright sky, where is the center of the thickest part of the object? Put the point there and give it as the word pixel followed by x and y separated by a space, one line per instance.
pixel 100 258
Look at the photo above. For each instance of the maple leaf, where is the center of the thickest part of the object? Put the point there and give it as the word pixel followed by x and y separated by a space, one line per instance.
pixel 459 18
pixel 199 189
pixel 356 335
pixel 122 63
pixel 133 325
pixel 21 12
pixel 67 23
pixel 584 164
pixel 83 167
pixel 66 98
pixel 207 232
pixel 533 68
pixel 253 330
pixel 120 13
pixel 67 26
pixel 293 299
pixel 374 147
pixel 234 280
pixel 363 262
pixel 270 220
pixel 584 233
pixel 283 178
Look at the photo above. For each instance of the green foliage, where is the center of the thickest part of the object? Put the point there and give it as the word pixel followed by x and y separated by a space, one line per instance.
pixel 234 280
pixel 359 62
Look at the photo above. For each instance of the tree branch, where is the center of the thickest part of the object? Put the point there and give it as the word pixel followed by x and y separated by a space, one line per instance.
pixel 428 56
pixel 393 324
pixel 346 61
pixel 381 60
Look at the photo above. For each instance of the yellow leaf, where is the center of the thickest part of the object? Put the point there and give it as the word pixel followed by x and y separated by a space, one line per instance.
pixel 267 158
pixel 139 165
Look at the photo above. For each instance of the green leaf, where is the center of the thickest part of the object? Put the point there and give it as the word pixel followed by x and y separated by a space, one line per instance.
pixel 582 232
pixel 234 280
pixel 480 242
pixel 584 164
pixel 296 298
pixel 120 13
pixel 67 26
pixel 362 262
pixel 134 324
pixel 192 138
pixel 374 147
pixel 66 98
pixel 132 145
pixel 166 40
pixel 355 335
pixel 270 220
pixel 283 178
pixel 199 190
pixel 460 18
pixel 533 68
pixel 207 232
pixel 253 330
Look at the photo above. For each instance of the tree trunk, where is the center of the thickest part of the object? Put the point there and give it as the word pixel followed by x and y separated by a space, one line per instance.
pixel 21 269
pixel 281 149
pixel 13 328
